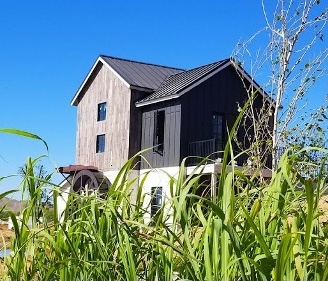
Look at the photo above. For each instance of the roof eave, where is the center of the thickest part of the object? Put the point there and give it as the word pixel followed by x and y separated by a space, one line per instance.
pixel 253 82
pixel 157 100
pixel 187 88
pixel 143 89
pixel 75 100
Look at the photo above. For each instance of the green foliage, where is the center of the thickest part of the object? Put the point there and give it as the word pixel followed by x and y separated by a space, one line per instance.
pixel 23 134
pixel 41 177
pixel 254 231
pixel 251 230
pixel 4 215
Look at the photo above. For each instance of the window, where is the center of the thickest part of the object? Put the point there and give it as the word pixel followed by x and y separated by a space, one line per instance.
pixel 156 199
pixel 217 129
pixel 100 144
pixel 101 111
pixel 159 131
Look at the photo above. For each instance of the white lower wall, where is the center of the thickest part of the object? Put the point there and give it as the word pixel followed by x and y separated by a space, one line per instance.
pixel 152 178
pixel 155 178
pixel 111 175
pixel 64 191
pixel 133 176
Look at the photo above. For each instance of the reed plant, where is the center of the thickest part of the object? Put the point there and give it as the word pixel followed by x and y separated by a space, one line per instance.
pixel 251 230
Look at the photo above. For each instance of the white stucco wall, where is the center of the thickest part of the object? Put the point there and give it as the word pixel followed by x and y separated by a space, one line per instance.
pixel 155 178
pixel 111 175
pixel 133 176
pixel 62 198
pixel 152 178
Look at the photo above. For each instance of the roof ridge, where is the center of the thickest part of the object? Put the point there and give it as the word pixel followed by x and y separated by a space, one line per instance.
pixel 189 70
pixel 192 69
pixel 219 61
pixel 141 62
pixel 200 72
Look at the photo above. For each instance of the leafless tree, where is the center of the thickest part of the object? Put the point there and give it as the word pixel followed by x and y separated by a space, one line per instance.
pixel 293 60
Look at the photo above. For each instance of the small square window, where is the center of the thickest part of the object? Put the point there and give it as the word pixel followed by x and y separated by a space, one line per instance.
pixel 100 144
pixel 101 111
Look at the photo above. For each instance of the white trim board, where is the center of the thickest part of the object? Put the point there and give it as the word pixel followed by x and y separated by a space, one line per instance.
pixel 99 60
pixel 193 85
pixel 187 89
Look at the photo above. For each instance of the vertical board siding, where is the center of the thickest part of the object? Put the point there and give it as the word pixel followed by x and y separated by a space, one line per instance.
pixel 135 130
pixel 219 94
pixel 104 87
pixel 171 154
pixel 129 129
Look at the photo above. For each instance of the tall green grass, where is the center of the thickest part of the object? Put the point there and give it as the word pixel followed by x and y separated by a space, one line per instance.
pixel 250 231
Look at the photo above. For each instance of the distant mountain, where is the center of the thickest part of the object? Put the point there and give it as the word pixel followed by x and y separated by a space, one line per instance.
pixel 12 205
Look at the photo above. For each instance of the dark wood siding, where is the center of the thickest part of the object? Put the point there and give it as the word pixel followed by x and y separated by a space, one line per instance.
pixel 219 94
pixel 135 125
pixel 190 118
pixel 171 154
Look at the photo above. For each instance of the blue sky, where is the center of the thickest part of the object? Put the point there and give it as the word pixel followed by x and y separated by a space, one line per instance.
pixel 47 48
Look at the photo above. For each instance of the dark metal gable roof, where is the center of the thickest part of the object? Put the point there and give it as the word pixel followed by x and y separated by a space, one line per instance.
pixel 140 74
pixel 176 83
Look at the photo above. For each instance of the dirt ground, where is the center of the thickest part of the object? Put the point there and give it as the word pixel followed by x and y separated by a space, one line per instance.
pixel 5 236
pixel 5 239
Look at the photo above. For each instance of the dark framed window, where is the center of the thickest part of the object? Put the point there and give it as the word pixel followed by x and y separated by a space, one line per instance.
pixel 159 131
pixel 100 144
pixel 217 130
pixel 101 111
pixel 156 199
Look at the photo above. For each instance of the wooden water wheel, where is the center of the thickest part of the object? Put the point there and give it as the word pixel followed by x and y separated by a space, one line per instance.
pixel 86 179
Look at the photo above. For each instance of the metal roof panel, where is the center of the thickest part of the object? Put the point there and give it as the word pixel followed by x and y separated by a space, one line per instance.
pixel 179 81
pixel 140 74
